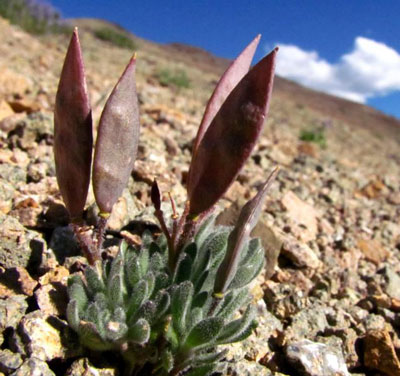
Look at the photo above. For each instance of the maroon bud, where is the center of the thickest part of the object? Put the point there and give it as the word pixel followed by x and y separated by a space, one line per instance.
pixel 117 141
pixel 231 137
pixel 240 235
pixel 155 196
pixel 73 131
pixel 235 72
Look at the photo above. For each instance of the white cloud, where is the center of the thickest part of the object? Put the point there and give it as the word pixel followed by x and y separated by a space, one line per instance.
pixel 370 69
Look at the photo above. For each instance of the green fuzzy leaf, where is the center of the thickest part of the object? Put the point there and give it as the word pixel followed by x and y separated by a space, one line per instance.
pixel 90 337
pixel 144 260
pixel 191 250
pixel 183 269
pixel 202 371
pixel 238 329
pixel 73 315
pixel 117 267
pixel 119 314
pixel 246 273
pixel 116 330
pixel 137 298
pixel 202 264
pixel 204 333
pixel 216 243
pixel 106 266
pixel 139 332
pixel 162 302
pixel 167 360
pixel 156 262
pixel 101 301
pixel 116 291
pixel 147 311
pixel 200 299
pixel 170 334
pixel 180 304
pixel 92 313
pixel 208 358
pixel 132 270
pixel 253 248
pixel 232 302
pixel 123 247
pixel 217 247
pixel 205 229
pixel 200 283
pixel 162 243
pixel 147 239
pixel 162 281
pixel 151 281
pixel 77 292
pixel 196 315
pixel 94 281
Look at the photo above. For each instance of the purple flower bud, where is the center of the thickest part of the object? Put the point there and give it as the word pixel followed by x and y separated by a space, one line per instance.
pixel 240 235
pixel 73 131
pixel 117 141
pixel 235 72
pixel 231 136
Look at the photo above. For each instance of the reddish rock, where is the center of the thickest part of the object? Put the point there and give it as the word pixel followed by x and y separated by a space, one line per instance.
pixel 379 353
pixel 301 214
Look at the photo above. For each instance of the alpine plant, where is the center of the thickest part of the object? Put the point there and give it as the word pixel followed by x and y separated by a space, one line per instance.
pixel 168 304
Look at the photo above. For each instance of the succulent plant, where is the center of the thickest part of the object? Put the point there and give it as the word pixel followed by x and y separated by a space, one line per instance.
pixel 170 303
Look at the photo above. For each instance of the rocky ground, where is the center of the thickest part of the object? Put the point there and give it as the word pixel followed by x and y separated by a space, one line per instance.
pixel 329 299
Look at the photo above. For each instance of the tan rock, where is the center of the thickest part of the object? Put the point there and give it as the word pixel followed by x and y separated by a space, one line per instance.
pixel 373 250
pixel 26 282
pixel 301 214
pixel 299 253
pixel 308 148
pixel 42 337
pixel 12 83
pixel 52 299
pixel 373 189
pixel 379 353
pixel 5 110
pixel 56 274
pixel 24 105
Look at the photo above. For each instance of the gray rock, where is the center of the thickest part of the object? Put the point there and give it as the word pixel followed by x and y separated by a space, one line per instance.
pixel 63 243
pixel 6 195
pixel 392 280
pixel 84 367
pixel 33 367
pixel 13 174
pixel 46 337
pixel 316 359
pixel 374 322
pixel 12 310
pixel 255 347
pixel 9 361
pixel 308 323
pixel 18 246
pixel 246 368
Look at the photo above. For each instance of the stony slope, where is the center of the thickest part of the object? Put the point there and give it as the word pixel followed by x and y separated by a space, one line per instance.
pixel 333 213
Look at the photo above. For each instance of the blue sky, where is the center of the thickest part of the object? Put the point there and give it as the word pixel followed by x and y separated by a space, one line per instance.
pixel 348 48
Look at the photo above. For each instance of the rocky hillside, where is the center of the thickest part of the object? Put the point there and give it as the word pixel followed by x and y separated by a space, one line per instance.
pixel 329 299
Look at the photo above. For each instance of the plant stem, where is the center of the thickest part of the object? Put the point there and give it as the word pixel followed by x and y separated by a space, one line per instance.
pixel 85 243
